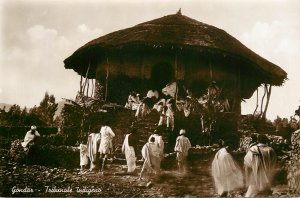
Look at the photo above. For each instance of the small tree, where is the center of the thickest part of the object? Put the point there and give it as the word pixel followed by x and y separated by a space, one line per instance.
pixel 47 109
pixel 297 112
pixel 14 115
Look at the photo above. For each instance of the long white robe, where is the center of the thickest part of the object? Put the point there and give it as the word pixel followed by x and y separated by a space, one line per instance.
pixel 160 143
pixel 83 155
pixel 133 102
pixel 93 144
pixel 161 146
pixel 226 173
pixel 261 160
pixel 129 154
pixel 151 156
pixel 182 147
pixel 29 137
pixel 170 117
pixel 106 140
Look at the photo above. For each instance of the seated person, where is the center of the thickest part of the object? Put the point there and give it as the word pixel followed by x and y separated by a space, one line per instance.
pixel 29 137
pixel 133 101
pixel 147 104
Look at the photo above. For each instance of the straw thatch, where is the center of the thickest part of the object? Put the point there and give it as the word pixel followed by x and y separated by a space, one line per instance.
pixel 175 32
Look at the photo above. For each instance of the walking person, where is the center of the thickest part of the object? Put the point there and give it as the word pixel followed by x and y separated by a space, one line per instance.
pixel 226 173
pixel 160 144
pixel 162 116
pixel 260 163
pixel 83 149
pixel 128 149
pixel 170 117
pixel 151 156
pixel 92 148
pixel 182 147
pixel 106 146
pixel 253 141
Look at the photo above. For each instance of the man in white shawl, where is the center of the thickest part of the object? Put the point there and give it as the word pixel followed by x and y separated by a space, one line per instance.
pixel 92 148
pixel 170 117
pixel 260 163
pixel 151 156
pixel 160 144
pixel 29 137
pixel 226 173
pixel 128 150
pixel 106 146
pixel 83 155
pixel 182 147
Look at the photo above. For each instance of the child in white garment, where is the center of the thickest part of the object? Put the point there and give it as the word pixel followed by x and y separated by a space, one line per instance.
pixel 83 156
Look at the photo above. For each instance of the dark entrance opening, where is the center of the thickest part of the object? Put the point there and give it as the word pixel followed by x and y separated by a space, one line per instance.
pixel 162 73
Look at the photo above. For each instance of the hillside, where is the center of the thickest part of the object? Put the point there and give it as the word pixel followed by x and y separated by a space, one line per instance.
pixel 58 111
pixel 7 106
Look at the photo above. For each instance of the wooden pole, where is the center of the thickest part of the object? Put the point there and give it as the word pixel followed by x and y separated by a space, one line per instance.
pixel 262 103
pixel 256 103
pixel 106 80
pixel 88 86
pixel 83 101
pixel 87 72
pixel 93 87
pixel 239 90
pixel 80 91
pixel 176 89
pixel 268 100
pixel 210 71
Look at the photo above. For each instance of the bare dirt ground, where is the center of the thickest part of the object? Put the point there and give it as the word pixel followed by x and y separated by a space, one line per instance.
pixel 56 182
pixel 47 181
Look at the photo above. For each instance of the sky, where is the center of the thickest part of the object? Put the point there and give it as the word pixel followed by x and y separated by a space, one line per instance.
pixel 36 36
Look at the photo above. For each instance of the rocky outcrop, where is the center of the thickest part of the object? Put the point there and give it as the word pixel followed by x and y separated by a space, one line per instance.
pixel 294 164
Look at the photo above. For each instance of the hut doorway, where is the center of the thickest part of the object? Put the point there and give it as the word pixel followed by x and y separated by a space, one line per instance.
pixel 162 73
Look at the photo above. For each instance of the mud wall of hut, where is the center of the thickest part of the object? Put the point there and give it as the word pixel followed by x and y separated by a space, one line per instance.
pixel 294 164
pixel 132 70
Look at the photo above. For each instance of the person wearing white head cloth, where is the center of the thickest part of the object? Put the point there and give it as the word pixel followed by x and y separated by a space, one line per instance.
pixel 182 147
pixel 151 156
pixel 260 168
pixel 29 137
pixel 128 150
pixel 160 144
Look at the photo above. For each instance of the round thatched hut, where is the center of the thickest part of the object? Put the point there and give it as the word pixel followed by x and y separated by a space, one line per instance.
pixel 174 48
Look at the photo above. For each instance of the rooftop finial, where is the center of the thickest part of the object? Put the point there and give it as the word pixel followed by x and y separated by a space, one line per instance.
pixel 179 11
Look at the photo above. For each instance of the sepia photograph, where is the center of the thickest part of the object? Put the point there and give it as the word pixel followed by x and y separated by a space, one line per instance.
pixel 152 98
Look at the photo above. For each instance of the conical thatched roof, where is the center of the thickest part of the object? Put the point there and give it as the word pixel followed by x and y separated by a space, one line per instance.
pixel 180 33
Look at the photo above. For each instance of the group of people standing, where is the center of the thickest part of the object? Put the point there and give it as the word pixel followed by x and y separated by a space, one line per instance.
pixel 259 161
pixel 97 143
pixel 259 165
pixel 153 153
pixel 163 104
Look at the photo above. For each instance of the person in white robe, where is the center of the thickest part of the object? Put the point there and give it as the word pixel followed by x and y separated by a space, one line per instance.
pixel 163 118
pixel 29 137
pixel 106 145
pixel 84 160
pixel 227 175
pixel 170 117
pixel 92 147
pixel 129 152
pixel 260 167
pixel 182 147
pixel 160 144
pixel 133 101
pixel 159 105
pixel 151 157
